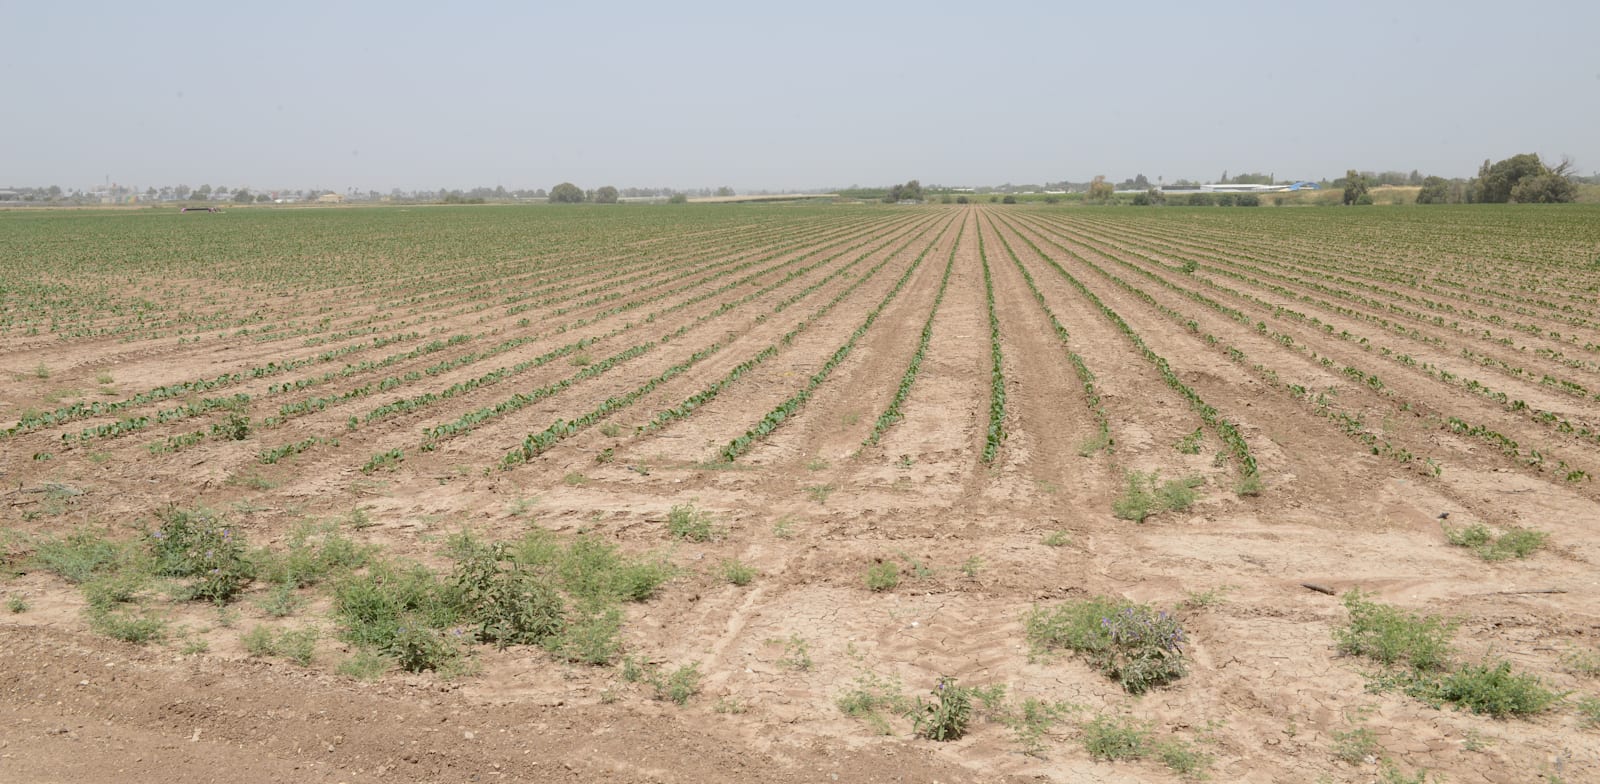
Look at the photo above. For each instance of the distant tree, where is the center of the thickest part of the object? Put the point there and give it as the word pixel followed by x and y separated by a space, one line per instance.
pixel 566 193
pixel 1435 190
pixel 1497 181
pixel 963 200
pixel 1415 178
pixel 678 198
pixel 1009 199
pixel 725 191
pixel 994 199
pixel 1099 189
pixel 1150 198
pixel 606 195
pixel 203 192
pixel 1549 188
pixel 1248 200
pixel 1355 186
pixel 910 191
pixel 262 198
pixel 945 199
pixel 181 192
pixel 242 196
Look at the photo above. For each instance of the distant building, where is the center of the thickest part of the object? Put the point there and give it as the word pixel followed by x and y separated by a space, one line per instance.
pixel 10 196
pixel 331 198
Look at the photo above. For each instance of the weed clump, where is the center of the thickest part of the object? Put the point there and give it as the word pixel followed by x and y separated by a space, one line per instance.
pixel 1133 644
pixel 1392 636
pixel 688 523
pixel 1146 495
pixel 1511 543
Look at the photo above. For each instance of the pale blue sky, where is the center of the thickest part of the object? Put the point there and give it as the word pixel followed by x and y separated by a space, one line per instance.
pixel 777 96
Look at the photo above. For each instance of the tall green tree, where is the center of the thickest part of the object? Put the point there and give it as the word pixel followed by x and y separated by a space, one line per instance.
pixel 606 195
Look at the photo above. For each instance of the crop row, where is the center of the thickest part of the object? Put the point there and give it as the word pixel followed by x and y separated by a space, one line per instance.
pixel 743 443
pixel 996 433
pixel 1230 435
pixel 892 413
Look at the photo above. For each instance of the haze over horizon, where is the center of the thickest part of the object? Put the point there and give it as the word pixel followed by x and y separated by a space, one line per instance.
pixel 420 96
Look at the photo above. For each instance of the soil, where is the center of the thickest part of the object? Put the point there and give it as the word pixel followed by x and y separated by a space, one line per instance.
pixel 1268 697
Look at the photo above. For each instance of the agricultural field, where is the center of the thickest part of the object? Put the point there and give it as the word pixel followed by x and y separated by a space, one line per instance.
pixel 800 493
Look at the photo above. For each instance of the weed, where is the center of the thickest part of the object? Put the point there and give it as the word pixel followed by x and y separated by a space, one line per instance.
pixel 42 371
pixel 611 430
pixel 971 566
pixel 737 573
pixel 574 479
pixel 1089 446
pixel 677 686
pixel 1182 758
pixel 1248 486
pixel 945 717
pixel 1190 444
pixel 904 461
pixel 1032 721
pixel 1512 543
pixel 1391 773
pixel 1057 539
pixel 591 636
pixel 297 646
pixel 883 576
pixel 1491 689
pixel 1589 711
pixel 254 481
pixel 417 647
pixel 519 507
pixel 784 528
pixel 281 601
pixel 1130 643
pixel 1582 662
pixel 365 665
pixel 606 455
pixel 235 428
pixel 1115 738
pixel 79 556
pixel 820 493
pixel 796 653
pixel 194 646
pixel 17 604
pixel 1354 746
pixel 580 360
pixel 816 464
pixel 509 605
pixel 1393 636
pixel 1144 496
pixel 103 377
pixel 197 546
pixel 127 626
pixel 1194 600
pixel 686 522
pixel 870 699
pixel 729 705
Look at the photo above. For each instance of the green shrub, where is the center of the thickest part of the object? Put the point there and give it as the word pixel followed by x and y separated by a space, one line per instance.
pixel 680 684
pixel 1133 644
pixel 507 604
pixel 870 699
pixel 1355 745
pixel 1393 636
pixel 416 646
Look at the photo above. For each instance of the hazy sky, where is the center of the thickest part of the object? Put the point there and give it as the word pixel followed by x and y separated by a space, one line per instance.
pixel 782 95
